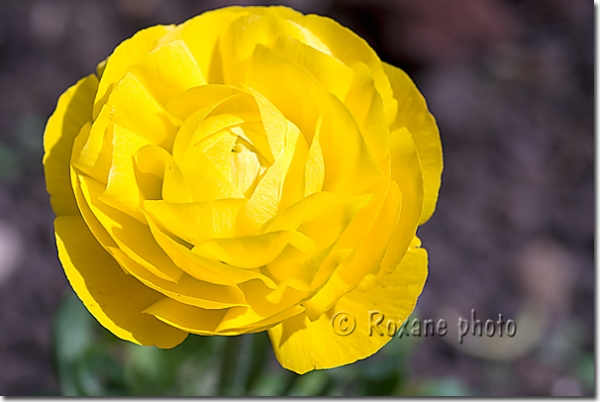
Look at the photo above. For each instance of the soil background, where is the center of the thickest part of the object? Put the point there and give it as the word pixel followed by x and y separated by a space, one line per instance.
pixel 511 84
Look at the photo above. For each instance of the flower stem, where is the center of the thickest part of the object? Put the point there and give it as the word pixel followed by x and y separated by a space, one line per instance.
pixel 235 368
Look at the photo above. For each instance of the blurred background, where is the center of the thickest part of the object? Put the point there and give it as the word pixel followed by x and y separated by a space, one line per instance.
pixel 511 83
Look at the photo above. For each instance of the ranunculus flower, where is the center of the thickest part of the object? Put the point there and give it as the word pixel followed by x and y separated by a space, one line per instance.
pixel 251 169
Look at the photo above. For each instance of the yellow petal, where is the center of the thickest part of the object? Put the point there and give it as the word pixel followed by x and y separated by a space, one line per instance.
pixel 95 227
pixel 114 298
pixel 201 34
pixel 169 70
pixel 365 258
pixel 73 110
pixel 265 201
pixel 366 106
pixel 323 217
pixel 128 53
pixel 185 317
pixel 276 11
pixel 196 222
pixel 245 33
pixel 232 321
pixel 274 122
pixel 122 190
pixel 253 251
pixel 187 290
pixel 187 130
pixel 312 208
pixel 133 107
pixel 406 172
pixel 254 133
pixel 155 161
pixel 240 320
pixel 302 345
pixel 292 190
pixel 207 181
pixel 348 47
pixel 296 97
pixel 414 115
pixel 314 173
pixel 297 269
pixel 133 237
pixel 92 149
pixel 349 167
pixel 330 72
pixel 197 98
pixel 201 268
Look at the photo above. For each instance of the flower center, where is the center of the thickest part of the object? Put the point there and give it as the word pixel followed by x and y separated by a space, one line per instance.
pixel 246 169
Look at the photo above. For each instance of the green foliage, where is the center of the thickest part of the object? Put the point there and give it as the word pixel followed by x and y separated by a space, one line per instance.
pixel 93 362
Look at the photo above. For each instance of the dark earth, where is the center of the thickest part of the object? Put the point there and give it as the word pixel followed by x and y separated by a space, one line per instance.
pixel 511 84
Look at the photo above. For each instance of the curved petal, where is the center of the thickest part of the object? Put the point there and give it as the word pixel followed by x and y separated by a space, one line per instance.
pixel 348 47
pixel 253 251
pixel 73 110
pixel 365 258
pixel 266 200
pixel 202 268
pixel 407 173
pixel 202 35
pixel 367 108
pixel 302 345
pixel 114 298
pixel 169 70
pixel 132 236
pixel 231 321
pixel 349 166
pixel 196 222
pixel 128 53
pixel 244 34
pixel 132 106
pixel 414 115
pixel 335 76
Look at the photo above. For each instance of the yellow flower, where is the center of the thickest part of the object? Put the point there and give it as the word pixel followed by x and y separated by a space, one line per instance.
pixel 251 169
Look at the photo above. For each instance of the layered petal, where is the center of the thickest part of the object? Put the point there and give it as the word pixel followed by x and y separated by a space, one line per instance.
pixel 73 110
pixel 250 169
pixel 114 298
pixel 414 116
pixel 302 345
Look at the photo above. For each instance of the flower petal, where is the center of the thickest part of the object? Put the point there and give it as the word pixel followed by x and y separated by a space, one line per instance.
pixel 122 191
pixel 201 268
pixel 406 172
pixel 132 236
pixel 302 345
pixel 169 70
pixel 196 222
pixel 365 258
pixel 128 53
pixel 335 76
pixel 187 290
pixel 73 110
pixel 414 115
pixel 349 167
pixel 232 321
pixel 202 34
pixel 114 298
pixel 247 32
pixel 367 108
pixel 266 200
pixel 348 47
pixel 253 251
pixel 314 171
